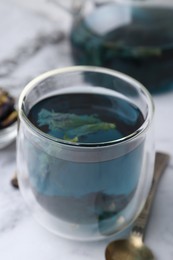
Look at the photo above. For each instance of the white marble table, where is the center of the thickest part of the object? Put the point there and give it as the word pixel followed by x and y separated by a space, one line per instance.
pixel 20 236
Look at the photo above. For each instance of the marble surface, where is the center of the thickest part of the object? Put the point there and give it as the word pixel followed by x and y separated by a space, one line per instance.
pixel 33 42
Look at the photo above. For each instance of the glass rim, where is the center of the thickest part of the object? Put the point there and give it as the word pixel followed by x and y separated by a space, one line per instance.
pixel 93 69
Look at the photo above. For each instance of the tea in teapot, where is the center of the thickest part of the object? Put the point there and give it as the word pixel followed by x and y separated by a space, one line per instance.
pixel 135 38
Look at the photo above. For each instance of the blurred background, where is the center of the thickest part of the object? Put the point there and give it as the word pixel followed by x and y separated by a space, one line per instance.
pixel 33 40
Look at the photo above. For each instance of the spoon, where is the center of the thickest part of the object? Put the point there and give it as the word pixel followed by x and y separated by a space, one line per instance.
pixel 133 248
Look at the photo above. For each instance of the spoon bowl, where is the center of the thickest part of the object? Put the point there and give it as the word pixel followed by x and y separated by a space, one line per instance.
pixel 133 247
pixel 128 250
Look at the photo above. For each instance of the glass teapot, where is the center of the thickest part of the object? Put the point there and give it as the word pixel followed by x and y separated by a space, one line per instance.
pixel 134 37
pixel 131 36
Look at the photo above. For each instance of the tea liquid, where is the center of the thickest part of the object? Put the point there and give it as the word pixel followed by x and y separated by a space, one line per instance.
pixel 85 193
pixel 135 40
pixel 86 118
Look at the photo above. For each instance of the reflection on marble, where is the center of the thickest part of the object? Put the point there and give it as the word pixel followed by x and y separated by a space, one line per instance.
pixel 22 31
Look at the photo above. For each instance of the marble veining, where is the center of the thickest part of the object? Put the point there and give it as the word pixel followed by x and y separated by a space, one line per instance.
pixel 32 43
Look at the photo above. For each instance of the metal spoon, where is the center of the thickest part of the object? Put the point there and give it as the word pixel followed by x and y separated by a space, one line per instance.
pixel 133 248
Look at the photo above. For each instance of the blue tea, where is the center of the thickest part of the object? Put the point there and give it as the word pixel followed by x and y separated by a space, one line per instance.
pixel 136 40
pixel 89 193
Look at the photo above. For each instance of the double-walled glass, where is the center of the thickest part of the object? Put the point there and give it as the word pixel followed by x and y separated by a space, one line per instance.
pixel 92 180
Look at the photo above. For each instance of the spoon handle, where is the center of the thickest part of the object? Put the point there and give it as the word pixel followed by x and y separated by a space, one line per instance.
pixel 161 162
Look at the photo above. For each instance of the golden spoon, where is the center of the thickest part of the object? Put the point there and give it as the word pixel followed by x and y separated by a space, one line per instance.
pixel 133 248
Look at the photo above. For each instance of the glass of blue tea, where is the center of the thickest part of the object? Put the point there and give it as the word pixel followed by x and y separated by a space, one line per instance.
pixel 85 151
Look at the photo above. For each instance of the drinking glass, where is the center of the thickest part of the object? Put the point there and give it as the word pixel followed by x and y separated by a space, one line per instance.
pixel 85 150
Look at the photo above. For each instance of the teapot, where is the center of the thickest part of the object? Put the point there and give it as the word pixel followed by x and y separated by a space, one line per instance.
pixel 131 36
